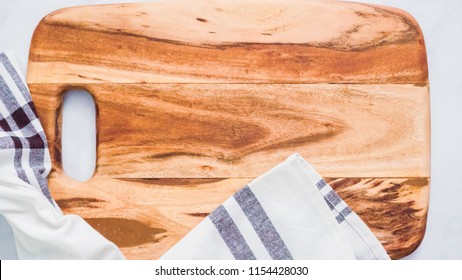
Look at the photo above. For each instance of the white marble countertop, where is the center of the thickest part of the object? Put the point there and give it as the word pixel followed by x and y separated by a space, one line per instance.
pixel 441 22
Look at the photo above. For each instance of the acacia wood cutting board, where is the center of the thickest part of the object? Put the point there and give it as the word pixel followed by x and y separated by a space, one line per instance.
pixel 197 98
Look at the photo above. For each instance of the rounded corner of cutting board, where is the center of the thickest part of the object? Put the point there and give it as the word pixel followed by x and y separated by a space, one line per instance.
pixel 405 252
pixel 415 24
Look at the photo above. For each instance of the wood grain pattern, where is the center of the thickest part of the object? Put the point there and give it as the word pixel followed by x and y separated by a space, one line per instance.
pixel 395 209
pixel 228 130
pixel 196 100
pixel 244 41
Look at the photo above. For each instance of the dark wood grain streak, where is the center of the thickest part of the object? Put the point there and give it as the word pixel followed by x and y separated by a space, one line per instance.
pixel 75 202
pixel 203 215
pixel 126 233
pixel 391 208
pixel 173 181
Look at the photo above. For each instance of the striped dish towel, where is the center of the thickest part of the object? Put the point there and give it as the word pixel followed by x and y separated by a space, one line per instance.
pixel 40 230
pixel 288 213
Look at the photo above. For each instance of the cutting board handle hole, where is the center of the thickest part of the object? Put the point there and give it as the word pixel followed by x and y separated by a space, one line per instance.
pixel 78 135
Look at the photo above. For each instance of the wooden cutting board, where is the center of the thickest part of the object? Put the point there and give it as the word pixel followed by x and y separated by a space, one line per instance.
pixel 197 98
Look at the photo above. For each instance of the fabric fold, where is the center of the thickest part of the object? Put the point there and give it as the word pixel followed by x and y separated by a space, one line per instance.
pixel 40 230
pixel 290 212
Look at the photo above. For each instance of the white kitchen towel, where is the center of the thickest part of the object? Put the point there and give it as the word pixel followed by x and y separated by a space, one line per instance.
pixel 289 212
pixel 40 229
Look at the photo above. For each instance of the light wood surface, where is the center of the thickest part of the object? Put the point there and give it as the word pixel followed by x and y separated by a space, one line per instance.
pixel 229 41
pixel 195 99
